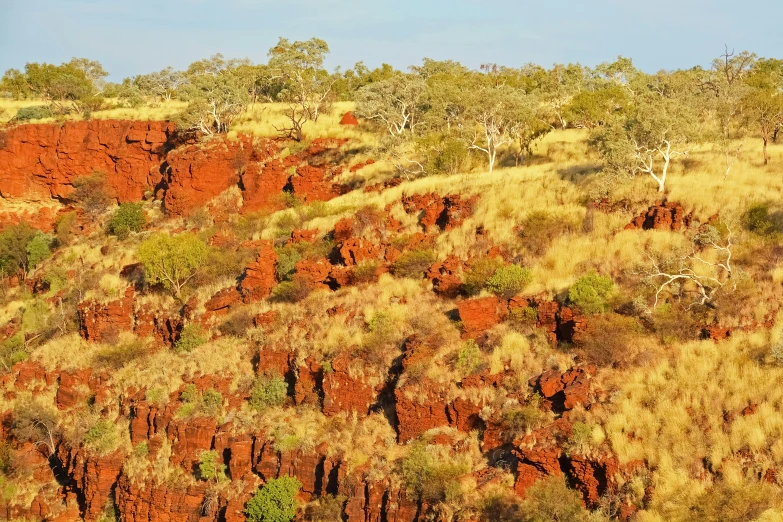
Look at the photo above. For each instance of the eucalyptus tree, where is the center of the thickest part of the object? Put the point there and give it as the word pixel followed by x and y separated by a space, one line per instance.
pixel 659 126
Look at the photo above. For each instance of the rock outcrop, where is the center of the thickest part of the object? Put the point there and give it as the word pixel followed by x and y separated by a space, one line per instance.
pixel 42 161
pixel 663 215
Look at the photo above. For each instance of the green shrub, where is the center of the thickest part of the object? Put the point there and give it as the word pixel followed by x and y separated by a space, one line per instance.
pixel 35 316
pixel 269 389
pixel 172 261
pixel 101 437
pixel 211 402
pixel 38 250
pixel 287 257
pixel 479 272
pixel 551 499
pixel 275 501
pixel 237 324
pixel 13 248
pixel 540 228
pixel 327 508
pixel 129 217
pixel 291 291
pixel 413 264
pixel 12 351
pixel 509 280
pixel 191 337
pixel 210 467
pixel 591 293
pixel 33 112
pixel 366 272
pixel 760 221
pixel 520 420
pixel 430 478
pixel 468 357
pixel 142 449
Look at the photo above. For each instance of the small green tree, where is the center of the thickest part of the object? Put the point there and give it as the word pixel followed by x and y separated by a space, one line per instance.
pixel 275 501
pixel 269 389
pixel 591 293
pixel 509 280
pixel 191 337
pixel 38 250
pixel 129 217
pixel 172 261
pixel 210 467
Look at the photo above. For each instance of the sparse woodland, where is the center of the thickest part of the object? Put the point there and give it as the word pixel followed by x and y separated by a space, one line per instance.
pixel 270 292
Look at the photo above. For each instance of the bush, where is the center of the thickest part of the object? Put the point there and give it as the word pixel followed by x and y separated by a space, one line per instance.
pixel 193 402
pixel 211 402
pixel 191 337
pixel 366 272
pixel 551 499
pixel 129 217
pixel 327 508
pixel 429 478
pixel 13 248
pixel 509 280
pixel 479 272
pixel 468 357
pixel 101 437
pixel 12 351
pixel 760 221
pixel 522 419
pixel 92 193
pixel 210 467
pixel 269 389
pixel 287 257
pixel 275 501
pixel 291 291
pixel 591 293
pixel 34 112
pixel 413 264
pixel 540 228
pixel 172 261
pixel 609 339
pixel 38 250
pixel 237 324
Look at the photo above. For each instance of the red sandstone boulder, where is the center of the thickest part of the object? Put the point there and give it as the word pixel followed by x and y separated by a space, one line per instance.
pixel 479 315
pixel 349 119
pixel 310 184
pixel 567 390
pixel 100 321
pixel 259 277
pixel 443 274
pixel 343 393
pixel 662 215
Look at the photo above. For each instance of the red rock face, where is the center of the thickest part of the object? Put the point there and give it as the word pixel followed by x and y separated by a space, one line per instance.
pixel 314 271
pixel 99 321
pixel 93 476
pixel 418 414
pixel 263 185
pixel 198 173
pixel 310 184
pixel 479 315
pixel 41 161
pixel 220 303
pixel 443 274
pixel 567 390
pixel 349 119
pixel 445 213
pixel 259 278
pixel 662 215
pixel 343 393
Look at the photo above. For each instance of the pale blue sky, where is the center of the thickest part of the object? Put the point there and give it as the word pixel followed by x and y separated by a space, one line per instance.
pixel 138 36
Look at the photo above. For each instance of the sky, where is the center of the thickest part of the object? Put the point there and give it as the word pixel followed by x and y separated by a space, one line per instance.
pixel 132 37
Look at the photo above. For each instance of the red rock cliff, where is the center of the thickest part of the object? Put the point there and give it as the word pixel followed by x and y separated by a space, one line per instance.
pixel 41 161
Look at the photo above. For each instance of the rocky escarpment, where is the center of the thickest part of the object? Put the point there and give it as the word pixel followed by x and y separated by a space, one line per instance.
pixel 38 162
